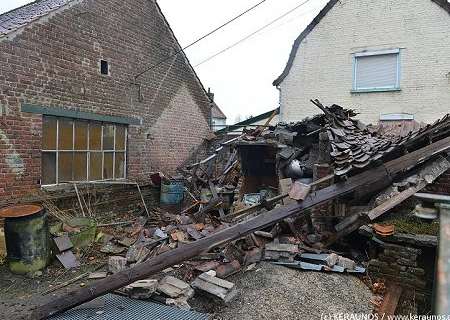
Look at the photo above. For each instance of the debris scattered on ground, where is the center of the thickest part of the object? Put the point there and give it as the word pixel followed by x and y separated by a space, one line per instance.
pixel 282 194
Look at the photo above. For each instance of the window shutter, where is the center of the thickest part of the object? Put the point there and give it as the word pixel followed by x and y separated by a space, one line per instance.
pixel 377 71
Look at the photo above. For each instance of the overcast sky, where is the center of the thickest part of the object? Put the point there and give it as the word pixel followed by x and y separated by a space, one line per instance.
pixel 241 77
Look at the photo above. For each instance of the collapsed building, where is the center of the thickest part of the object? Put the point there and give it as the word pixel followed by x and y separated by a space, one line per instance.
pixel 287 194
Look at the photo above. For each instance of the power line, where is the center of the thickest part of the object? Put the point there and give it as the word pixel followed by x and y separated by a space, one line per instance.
pixel 199 39
pixel 253 33
pixel 290 20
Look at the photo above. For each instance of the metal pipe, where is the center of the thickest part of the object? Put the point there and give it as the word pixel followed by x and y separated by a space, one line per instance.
pixel 441 294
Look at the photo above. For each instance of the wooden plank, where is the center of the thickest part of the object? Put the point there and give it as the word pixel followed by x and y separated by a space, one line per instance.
pixel 390 301
pixel 246 211
pixel 215 197
pixel 379 175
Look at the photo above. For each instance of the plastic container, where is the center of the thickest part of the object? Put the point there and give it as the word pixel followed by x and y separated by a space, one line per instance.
pixel 172 195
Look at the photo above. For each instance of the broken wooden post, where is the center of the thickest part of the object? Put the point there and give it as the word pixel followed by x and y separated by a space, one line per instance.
pixel 380 176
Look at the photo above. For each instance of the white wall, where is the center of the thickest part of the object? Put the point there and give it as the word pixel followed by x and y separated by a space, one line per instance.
pixel 323 67
pixel 218 124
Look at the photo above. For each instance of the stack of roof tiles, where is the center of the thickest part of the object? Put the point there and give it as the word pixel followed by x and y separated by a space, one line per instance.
pixel 355 145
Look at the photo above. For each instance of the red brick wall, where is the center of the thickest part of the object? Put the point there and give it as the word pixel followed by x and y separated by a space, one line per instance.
pixel 55 63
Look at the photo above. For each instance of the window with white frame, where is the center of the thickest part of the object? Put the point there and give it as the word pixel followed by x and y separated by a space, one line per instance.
pixel 377 71
pixel 82 150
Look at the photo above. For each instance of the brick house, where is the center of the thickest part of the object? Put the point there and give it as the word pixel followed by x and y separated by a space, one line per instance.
pixel 93 90
pixel 388 60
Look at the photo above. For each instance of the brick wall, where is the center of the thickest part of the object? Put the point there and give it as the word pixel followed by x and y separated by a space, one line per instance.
pixel 323 66
pixel 54 62
pixel 401 264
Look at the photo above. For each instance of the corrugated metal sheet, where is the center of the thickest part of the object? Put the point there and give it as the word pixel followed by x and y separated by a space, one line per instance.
pixel 118 307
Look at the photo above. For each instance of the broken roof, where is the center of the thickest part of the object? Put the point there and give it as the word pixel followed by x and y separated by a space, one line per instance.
pixel 355 145
pixel 19 17
pixel 444 4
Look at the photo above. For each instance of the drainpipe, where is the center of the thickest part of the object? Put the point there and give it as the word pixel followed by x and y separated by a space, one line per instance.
pixel 280 113
pixel 211 101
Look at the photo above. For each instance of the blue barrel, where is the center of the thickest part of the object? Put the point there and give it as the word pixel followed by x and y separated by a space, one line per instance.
pixel 172 195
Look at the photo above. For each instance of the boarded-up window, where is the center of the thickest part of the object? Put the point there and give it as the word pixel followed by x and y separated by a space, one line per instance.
pixel 377 71
pixel 81 150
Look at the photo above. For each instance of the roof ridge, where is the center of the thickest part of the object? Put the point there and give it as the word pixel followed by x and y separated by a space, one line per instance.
pixel 442 3
pixel 24 15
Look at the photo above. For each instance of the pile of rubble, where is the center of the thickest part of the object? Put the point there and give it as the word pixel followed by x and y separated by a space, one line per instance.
pixel 268 181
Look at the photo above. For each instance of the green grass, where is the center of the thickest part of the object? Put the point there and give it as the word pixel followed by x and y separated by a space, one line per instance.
pixel 409 223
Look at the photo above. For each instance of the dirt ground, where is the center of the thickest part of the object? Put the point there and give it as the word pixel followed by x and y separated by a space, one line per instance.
pixel 267 292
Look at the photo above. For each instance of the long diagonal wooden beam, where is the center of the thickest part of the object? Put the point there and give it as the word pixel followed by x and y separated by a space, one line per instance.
pixel 381 176
pixel 428 174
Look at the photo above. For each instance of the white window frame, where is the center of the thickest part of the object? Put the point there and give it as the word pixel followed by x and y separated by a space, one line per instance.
pixel 88 151
pixel 357 55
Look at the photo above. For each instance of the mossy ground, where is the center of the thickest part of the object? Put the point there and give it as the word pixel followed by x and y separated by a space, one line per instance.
pixel 409 223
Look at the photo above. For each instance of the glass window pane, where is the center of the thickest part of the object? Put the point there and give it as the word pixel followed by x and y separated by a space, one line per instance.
pixel 65 166
pixel 81 135
pixel 120 137
pixel 65 136
pixel 120 165
pixel 48 168
pixel 48 133
pixel 80 166
pixel 108 166
pixel 95 135
pixel 108 137
pixel 95 166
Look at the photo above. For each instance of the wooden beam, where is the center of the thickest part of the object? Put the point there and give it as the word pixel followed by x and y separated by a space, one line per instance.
pixel 429 173
pixel 379 175
pixel 390 301
pixel 246 211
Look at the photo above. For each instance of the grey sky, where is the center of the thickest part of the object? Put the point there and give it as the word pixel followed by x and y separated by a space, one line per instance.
pixel 242 76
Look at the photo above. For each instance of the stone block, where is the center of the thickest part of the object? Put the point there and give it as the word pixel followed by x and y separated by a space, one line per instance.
pixel 116 263
pixel 416 271
pixel 142 289
pixel 346 263
pixel 417 283
pixel 385 258
pixel 175 288
pixel 396 266
pixel 393 278
pixel 396 247
pixel 219 288
pixel 389 271
pixel 390 253
pixel 332 259
pixel 407 262
pixel 377 263
pixel 407 255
